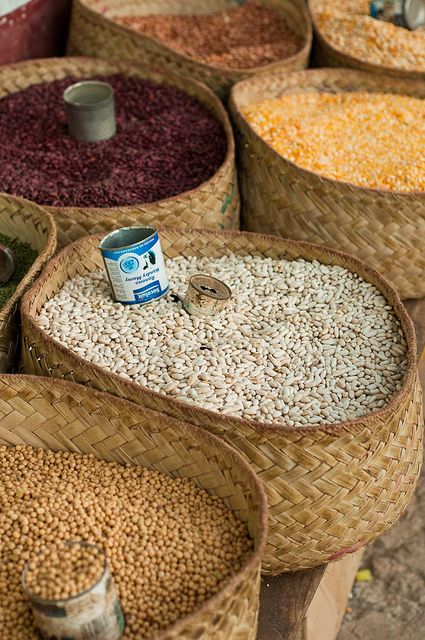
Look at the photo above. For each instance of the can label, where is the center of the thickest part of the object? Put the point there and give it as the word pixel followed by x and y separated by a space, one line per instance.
pixel 137 271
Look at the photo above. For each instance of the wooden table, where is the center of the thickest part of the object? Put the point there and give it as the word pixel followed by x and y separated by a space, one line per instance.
pixel 286 598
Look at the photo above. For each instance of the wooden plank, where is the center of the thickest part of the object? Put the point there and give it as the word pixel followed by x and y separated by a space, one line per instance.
pixel 329 604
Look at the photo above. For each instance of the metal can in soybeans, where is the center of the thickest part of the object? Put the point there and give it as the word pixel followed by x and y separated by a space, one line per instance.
pixel 135 265
pixel 93 614
pixel 403 13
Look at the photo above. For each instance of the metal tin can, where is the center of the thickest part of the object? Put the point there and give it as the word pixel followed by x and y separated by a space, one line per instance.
pixel 206 296
pixel 403 13
pixel 135 265
pixel 94 614
pixel 90 110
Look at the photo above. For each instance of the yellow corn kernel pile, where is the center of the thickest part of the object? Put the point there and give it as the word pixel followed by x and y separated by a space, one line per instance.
pixel 368 139
pixel 348 27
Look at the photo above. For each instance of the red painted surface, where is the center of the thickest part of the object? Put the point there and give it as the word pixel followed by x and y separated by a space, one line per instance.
pixel 36 30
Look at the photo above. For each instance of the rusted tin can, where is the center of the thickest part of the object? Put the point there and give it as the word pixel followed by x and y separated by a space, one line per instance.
pixel 135 264
pixel 94 614
pixel 90 110
pixel 206 296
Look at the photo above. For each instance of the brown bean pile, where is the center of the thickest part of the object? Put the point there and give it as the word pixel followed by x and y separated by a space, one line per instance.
pixel 242 37
pixel 64 570
pixel 169 544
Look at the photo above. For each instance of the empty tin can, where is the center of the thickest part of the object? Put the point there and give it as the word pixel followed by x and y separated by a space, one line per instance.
pixel 135 264
pixel 90 110
pixel 94 614
pixel 403 13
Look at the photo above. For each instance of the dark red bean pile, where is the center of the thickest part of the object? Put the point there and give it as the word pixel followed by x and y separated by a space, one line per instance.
pixel 166 143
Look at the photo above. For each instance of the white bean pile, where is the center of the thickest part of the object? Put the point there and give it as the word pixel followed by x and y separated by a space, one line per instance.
pixel 300 343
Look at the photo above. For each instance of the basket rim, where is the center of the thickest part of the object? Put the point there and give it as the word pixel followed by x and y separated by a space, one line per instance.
pixel 225 71
pixel 355 60
pixel 382 415
pixel 318 76
pixel 47 251
pixel 170 78
pixel 200 433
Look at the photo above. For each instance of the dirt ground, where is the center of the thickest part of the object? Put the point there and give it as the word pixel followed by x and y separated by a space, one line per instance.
pixel 392 606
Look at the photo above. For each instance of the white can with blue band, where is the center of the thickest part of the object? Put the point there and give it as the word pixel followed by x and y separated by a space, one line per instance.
pixel 135 264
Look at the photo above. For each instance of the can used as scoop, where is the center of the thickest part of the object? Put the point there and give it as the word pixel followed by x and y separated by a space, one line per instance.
pixel 206 296
pixel 135 264
pixel 94 614
pixel 90 110
pixel 403 13
pixel 7 264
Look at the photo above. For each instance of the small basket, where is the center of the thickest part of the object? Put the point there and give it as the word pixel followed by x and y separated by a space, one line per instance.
pixel 326 55
pixel 213 204
pixel 331 489
pixel 62 416
pixel 383 228
pixel 28 223
pixel 93 32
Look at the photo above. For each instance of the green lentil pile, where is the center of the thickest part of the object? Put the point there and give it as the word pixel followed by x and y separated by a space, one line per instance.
pixel 25 257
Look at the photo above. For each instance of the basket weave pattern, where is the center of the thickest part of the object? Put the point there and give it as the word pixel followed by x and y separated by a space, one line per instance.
pixel 28 223
pixel 331 489
pixel 213 204
pixel 383 228
pixel 94 33
pixel 63 416
pixel 326 55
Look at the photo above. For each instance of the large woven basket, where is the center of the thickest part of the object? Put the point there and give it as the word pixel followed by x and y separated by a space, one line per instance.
pixel 332 489
pixel 383 228
pixel 28 223
pixel 213 204
pixel 62 416
pixel 327 55
pixel 93 32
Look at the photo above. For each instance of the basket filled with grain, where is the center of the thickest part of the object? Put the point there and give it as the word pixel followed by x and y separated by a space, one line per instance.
pixel 217 42
pixel 29 232
pixel 170 162
pixel 309 370
pixel 346 35
pixel 180 516
pixel 336 157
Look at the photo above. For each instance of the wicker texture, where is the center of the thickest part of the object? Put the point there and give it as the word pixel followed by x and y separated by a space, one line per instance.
pixel 213 204
pixel 63 416
pixel 386 229
pixel 331 489
pixel 28 223
pixel 93 33
pixel 326 55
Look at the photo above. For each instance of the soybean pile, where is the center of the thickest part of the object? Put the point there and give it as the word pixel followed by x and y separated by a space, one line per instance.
pixel 166 143
pixel 300 343
pixel 374 140
pixel 170 545
pixel 242 37
pixel 349 28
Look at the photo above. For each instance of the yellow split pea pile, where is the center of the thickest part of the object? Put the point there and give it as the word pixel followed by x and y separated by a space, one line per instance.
pixel 349 28
pixel 368 139
pixel 170 545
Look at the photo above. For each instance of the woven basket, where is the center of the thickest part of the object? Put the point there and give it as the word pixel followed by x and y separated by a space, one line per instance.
pixel 93 32
pixel 213 204
pixel 383 228
pixel 28 223
pixel 62 416
pixel 331 490
pixel 326 55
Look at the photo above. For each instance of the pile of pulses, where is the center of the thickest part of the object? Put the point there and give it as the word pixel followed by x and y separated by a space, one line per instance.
pixel 242 37
pixel 169 544
pixel 300 342
pixel 371 140
pixel 348 27
pixel 64 570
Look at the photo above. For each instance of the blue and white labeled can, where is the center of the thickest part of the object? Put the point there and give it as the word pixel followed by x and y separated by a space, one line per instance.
pixel 135 265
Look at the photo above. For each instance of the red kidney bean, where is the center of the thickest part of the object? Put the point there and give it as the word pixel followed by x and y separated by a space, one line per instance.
pixel 166 143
